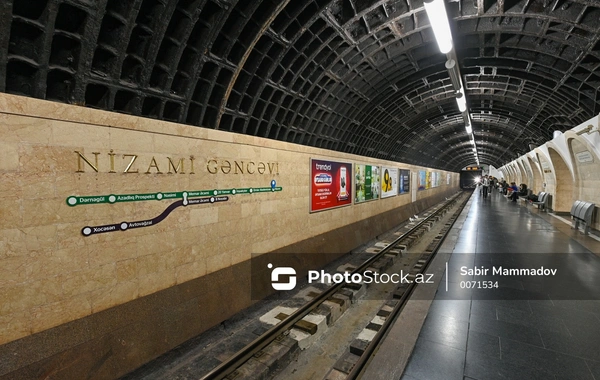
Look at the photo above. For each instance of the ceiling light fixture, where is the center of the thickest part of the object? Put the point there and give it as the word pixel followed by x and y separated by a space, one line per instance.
pixel 461 100
pixel 469 129
pixel 436 11
pixel 454 75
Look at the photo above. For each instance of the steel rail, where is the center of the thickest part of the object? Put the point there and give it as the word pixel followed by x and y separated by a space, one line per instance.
pixel 362 362
pixel 244 354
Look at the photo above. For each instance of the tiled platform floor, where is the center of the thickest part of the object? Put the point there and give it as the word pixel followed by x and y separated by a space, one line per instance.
pixel 531 327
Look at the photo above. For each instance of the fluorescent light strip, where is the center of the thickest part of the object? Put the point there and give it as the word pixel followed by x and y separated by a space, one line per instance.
pixel 436 11
pixel 461 100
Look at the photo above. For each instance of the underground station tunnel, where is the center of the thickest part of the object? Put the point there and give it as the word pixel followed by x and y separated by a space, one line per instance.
pixel 299 189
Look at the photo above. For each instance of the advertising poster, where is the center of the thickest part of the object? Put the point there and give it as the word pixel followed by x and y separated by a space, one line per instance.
pixel 331 186
pixel 427 180
pixel 422 180
pixel 389 182
pixel 366 183
pixel 435 179
pixel 438 179
pixel 448 176
pixel 404 181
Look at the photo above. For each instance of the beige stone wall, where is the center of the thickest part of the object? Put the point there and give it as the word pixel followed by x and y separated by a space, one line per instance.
pixel 51 274
pixel 570 168
pixel 536 184
pixel 564 186
pixel 549 177
pixel 587 174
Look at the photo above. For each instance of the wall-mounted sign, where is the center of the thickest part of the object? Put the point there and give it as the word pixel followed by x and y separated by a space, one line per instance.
pixel 76 200
pixel 585 156
pixel 422 180
pixel 112 162
pixel 366 183
pixel 448 177
pixel 188 198
pixel 546 167
pixel 124 226
pixel 473 168
pixel 389 182
pixel 404 181
pixel 331 186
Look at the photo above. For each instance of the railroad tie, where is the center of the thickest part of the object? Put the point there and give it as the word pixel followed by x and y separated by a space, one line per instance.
pixel 346 362
pixel 358 290
pixel 252 369
pixel 334 310
pixel 303 325
pixel 334 374
pixel 346 268
pixel 340 299
pixel 277 356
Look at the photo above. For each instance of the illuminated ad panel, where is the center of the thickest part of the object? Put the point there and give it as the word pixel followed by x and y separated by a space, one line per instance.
pixel 404 182
pixel 331 186
pixel 427 180
pixel 366 183
pixel 389 182
pixel 422 180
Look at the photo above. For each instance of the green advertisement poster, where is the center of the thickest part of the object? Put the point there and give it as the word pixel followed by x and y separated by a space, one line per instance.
pixel 366 183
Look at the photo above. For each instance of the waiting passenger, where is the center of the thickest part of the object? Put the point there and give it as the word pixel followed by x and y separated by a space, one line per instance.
pixel 485 183
pixel 532 197
pixel 512 189
pixel 504 186
pixel 522 192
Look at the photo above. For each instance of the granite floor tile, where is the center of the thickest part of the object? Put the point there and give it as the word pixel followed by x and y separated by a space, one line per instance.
pixel 541 359
pixel 435 361
pixel 483 367
pixel 457 309
pixel 583 346
pixel 446 330
pixel 486 344
pixel 594 368
pixel 533 320
pixel 517 331
pixel 508 330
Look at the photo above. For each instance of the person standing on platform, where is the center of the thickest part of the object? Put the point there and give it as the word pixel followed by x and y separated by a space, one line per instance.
pixel 485 183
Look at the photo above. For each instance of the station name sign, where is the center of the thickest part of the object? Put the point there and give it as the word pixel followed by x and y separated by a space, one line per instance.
pixel 112 162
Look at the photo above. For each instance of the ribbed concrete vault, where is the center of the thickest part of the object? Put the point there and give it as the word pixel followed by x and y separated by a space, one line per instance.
pixel 357 76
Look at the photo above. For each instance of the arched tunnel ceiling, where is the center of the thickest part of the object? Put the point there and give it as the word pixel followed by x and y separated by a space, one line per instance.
pixel 357 76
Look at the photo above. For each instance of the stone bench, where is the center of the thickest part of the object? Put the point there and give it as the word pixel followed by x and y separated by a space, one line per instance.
pixel 543 201
pixel 582 212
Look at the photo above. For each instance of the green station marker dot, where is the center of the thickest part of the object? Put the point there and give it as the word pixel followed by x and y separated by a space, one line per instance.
pixel 112 198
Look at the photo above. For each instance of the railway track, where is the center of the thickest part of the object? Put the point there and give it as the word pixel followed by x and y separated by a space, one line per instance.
pixel 239 366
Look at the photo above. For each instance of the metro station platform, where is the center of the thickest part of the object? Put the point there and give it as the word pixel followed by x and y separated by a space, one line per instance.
pixel 531 326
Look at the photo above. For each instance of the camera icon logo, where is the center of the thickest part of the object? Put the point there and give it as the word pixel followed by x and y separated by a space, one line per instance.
pixel 283 271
